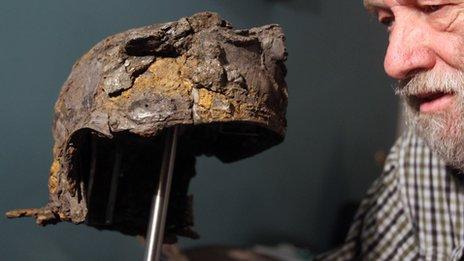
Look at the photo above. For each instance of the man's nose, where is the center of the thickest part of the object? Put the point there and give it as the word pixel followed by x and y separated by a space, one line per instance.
pixel 407 51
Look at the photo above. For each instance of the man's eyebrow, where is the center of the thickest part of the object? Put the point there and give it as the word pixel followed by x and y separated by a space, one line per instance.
pixel 372 5
pixel 436 1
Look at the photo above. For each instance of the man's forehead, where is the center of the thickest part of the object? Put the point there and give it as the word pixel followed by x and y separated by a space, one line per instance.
pixel 373 4
pixel 384 4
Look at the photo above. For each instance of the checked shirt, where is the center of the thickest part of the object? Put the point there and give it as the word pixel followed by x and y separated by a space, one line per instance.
pixel 413 211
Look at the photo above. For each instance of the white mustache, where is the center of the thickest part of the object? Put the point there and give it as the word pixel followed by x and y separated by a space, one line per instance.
pixel 431 82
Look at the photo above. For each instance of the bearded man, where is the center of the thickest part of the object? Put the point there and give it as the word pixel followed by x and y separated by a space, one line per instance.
pixel 415 210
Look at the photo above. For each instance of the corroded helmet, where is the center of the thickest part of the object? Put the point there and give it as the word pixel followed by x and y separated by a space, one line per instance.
pixel 225 87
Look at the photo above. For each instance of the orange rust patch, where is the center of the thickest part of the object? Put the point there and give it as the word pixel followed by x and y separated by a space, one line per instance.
pixel 205 99
pixel 63 216
pixel 168 76
pixel 213 105
pixel 53 179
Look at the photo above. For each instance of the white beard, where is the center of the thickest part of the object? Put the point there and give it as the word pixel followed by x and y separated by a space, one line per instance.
pixel 442 131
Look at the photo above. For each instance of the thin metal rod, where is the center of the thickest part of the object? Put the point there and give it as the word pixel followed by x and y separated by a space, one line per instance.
pixel 114 185
pixel 156 226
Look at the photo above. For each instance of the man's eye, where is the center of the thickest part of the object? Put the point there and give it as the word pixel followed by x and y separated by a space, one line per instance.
pixel 387 21
pixel 431 8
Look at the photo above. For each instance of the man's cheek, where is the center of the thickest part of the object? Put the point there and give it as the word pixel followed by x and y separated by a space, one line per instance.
pixel 456 45
pixel 449 42
pixel 456 23
pixel 447 19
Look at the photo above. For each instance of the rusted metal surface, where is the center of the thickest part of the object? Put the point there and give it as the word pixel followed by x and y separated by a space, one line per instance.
pixel 226 87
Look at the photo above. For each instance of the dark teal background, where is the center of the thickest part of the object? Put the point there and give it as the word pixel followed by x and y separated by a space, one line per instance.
pixel 341 111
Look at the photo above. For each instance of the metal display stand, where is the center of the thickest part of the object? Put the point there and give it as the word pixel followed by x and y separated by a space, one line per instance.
pixel 156 226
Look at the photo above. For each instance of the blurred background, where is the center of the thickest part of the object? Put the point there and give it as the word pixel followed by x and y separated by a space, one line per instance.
pixel 342 117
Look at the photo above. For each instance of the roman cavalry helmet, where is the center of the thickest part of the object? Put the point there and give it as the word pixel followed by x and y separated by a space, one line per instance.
pixel 224 87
